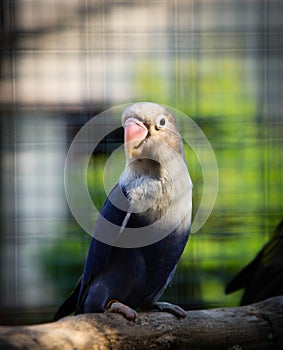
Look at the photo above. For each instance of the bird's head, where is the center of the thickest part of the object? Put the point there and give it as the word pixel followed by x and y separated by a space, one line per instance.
pixel 148 127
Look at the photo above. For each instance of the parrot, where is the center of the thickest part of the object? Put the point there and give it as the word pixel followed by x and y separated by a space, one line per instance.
pixel 262 278
pixel 152 200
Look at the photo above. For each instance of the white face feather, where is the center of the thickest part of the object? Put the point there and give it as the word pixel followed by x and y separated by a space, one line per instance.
pixel 161 130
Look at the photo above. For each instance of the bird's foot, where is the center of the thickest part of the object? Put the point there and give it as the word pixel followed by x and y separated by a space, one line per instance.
pixel 122 309
pixel 171 308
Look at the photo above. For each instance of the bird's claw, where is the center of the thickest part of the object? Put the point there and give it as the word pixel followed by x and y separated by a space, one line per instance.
pixel 171 308
pixel 122 309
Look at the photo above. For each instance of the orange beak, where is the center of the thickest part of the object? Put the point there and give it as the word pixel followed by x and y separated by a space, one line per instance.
pixel 135 134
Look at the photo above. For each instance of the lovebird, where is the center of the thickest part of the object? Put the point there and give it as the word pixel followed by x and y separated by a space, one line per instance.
pixel 144 224
pixel 262 278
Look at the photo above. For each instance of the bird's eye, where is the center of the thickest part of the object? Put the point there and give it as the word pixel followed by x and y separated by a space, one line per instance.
pixel 161 122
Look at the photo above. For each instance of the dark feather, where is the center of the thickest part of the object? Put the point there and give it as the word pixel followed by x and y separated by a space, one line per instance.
pixel 69 305
pixel 263 277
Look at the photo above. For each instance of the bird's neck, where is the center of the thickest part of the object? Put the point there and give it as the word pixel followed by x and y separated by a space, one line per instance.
pixel 146 187
pixel 144 167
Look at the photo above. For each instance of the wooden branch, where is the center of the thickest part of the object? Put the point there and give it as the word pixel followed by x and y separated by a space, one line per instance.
pixel 257 326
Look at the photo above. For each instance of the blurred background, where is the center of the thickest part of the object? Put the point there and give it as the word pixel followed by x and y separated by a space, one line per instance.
pixel 63 62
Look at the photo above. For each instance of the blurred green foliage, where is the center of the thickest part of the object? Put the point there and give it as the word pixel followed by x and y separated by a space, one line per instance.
pixel 220 95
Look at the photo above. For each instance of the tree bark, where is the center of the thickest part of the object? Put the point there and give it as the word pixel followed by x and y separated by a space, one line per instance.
pixel 257 326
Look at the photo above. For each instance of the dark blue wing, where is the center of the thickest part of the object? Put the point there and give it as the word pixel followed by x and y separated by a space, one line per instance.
pixel 161 270
pixel 99 252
